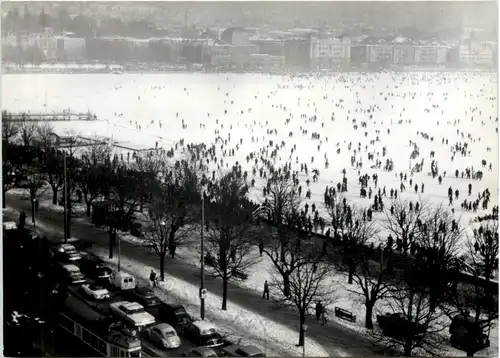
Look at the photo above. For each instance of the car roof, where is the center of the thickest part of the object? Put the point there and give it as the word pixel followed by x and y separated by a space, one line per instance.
pixel 249 349
pixel 67 247
pixel 143 289
pixel 131 305
pixel 203 325
pixel 71 268
pixel 204 350
pixel 164 327
pixel 123 275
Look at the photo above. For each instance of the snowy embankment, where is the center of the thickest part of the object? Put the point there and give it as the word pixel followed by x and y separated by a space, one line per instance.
pixel 237 323
pixel 346 296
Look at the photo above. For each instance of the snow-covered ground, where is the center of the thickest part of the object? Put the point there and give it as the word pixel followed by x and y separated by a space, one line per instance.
pixel 257 104
pixel 238 323
pixel 345 295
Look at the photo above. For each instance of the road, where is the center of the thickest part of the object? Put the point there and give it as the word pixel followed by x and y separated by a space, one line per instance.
pixel 335 339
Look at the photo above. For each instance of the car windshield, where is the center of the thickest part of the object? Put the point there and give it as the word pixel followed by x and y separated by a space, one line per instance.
pixel 96 287
pixel 146 294
pixel 168 334
pixel 207 332
pixel 134 310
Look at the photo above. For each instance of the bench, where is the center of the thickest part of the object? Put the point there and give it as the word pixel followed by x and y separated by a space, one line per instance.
pixel 345 314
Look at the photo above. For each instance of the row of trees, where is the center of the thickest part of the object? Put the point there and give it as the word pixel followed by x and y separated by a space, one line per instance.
pixel 29 21
pixel 421 282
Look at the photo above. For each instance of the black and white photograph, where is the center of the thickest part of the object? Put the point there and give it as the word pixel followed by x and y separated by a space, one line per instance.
pixel 249 178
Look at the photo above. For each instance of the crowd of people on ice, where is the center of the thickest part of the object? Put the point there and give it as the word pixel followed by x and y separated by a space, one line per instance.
pixel 274 153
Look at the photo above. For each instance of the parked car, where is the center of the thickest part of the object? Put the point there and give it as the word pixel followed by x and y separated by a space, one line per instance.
pixel 164 335
pixel 202 351
pixel 69 274
pixel 395 325
pixel 66 253
pixel 236 350
pixel 203 333
pixel 175 315
pixel 9 225
pixel 76 242
pixel 123 281
pixel 95 291
pixel 145 296
pixel 94 268
pixel 132 313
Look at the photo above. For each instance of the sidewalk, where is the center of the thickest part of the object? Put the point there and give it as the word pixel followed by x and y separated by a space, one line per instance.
pixel 333 338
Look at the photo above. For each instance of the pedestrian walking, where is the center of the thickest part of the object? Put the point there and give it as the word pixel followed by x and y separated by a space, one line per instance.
pixel 319 309
pixel 261 248
pixel 266 290
pixel 22 220
pixel 152 278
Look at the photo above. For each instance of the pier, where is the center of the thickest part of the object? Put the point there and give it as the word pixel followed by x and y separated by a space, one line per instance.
pixel 48 117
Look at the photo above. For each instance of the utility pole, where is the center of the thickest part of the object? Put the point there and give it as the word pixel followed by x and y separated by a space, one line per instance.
pixel 119 252
pixel 66 236
pixel 202 283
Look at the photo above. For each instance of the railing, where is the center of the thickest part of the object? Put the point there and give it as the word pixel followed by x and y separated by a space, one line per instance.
pixel 49 117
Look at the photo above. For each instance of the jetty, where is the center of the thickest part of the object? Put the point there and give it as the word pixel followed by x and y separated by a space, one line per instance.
pixel 48 117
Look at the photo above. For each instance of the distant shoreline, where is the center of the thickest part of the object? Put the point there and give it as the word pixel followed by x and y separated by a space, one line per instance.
pixel 11 71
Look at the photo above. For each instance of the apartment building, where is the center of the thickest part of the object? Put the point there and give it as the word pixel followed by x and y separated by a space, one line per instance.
pixel 329 52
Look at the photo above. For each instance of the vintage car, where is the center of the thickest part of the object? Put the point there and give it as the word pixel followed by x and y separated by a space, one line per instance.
pixel 95 291
pixel 132 313
pixel 164 335
pixel 203 333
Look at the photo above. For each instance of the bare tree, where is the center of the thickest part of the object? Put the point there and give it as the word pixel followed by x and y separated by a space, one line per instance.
pixel 28 130
pixel 352 230
pixel 338 211
pixel 404 223
pixel 289 239
pixel 149 165
pixel 121 188
pixel 36 186
pixel 308 283
pixel 373 281
pixel 417 294
pixel 170 219
pixel 8 178
pixel 479 296
pixel 230 231
pixel 52 160
pixel 10 129
pixel 418 326
pixel 95 165
pixel 283 200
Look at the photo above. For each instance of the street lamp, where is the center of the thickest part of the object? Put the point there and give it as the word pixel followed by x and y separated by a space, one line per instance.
pixel 202 279
pixel 304 328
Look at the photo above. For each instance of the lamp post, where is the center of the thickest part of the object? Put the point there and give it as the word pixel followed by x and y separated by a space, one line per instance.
pixel 202 279
pixel 66 234
pixel 119 252
pixel 304 328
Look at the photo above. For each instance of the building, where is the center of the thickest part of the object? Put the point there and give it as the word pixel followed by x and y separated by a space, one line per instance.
pixel 329 52
pixel 430 54
pixel 297 52
pixel 481 53
pixel 403 54
pixel 270 46
pixel 70 48
pixel 236 36
pixel 235 56
pixel 267 62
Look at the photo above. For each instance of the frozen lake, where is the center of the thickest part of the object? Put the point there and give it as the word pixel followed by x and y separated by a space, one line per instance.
pixel 249 106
